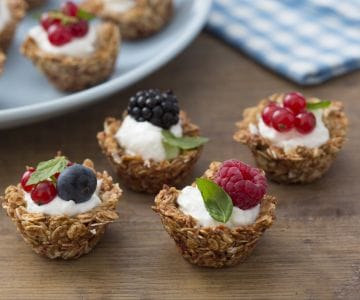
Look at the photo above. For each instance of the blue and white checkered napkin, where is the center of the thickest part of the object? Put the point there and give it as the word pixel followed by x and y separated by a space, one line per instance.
pixel 308 41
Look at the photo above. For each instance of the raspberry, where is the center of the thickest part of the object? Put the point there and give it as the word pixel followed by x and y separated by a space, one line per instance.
pixel 159 108
pixel 245 185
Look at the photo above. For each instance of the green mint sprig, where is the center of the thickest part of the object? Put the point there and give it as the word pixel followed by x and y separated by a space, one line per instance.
pixel 173 144
pixel 217 202
pixel 318 105
pixel 47 169
pixel 65 19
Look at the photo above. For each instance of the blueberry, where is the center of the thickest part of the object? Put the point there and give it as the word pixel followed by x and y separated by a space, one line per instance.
pixel 77 183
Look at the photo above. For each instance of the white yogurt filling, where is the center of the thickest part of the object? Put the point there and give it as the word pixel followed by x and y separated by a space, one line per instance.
pixel 191 203
pixel 5 14
pixel 144 139
pixel 60 206
pixel 77 47
pixel 292 139
pixel 119 6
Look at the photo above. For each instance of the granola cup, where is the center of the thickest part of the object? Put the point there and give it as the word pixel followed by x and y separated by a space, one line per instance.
pixel 145 19
pixel 2 61
pixel 62 236
pixel 18 10
pixel 35 3
pixel 213 247
pixel 70 73
pixel 301 165
pixel 148 176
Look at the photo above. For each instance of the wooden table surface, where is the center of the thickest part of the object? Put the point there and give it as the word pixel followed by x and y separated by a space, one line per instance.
pixel 311 252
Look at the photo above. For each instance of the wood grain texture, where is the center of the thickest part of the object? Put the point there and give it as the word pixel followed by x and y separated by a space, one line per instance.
pixel 311 252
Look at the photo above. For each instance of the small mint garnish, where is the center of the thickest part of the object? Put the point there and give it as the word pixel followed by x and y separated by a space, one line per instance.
pixel 318 105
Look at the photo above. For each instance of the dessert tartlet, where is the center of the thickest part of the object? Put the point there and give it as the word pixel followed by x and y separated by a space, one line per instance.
pixel 154 144
pixel 62 209
pixel 35 3
pixel 136 18
pixel 218 220
pixel 293 140
pixel 11 13
pixel 73 53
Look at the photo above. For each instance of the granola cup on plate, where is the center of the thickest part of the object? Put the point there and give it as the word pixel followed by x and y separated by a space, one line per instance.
pixel 148 175
pixel 137 19
pixel 75 73
pixel 17 10
pixel 214 244
pixel 301 164
pixel 60 235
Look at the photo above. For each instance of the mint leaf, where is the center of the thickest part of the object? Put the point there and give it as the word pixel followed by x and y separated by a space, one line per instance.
pixel 171 151
pixel 84 15
pixel 185 142
pixel 46 169
pixel 217 202
pixel 318 105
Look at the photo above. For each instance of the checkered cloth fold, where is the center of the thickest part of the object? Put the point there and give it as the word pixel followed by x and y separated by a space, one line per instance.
pixel 308 41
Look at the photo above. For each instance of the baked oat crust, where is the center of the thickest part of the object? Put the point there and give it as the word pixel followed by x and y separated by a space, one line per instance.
pixel 69 73
pixel 62 236
pixel 18 10
pixel 214 247
pixel 35 3
pixel 148 176
pixel 302 165
pixel 145 19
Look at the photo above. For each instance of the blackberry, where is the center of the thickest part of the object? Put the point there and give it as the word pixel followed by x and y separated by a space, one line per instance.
pixel 159 108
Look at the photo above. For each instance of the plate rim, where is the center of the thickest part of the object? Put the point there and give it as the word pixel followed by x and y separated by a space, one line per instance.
pixel 17 116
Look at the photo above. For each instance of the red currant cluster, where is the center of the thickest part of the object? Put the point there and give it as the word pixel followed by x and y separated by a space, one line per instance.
pixel 64 25
pixel 292 114
pixel 42 192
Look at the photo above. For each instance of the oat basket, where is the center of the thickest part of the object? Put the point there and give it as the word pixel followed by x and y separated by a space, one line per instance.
pixel 35 3
pixel 18 10
pixel 214 247
pixel 145 19
pixel 148 176
pixel 62 236
pixel 301 165
pixel 69 73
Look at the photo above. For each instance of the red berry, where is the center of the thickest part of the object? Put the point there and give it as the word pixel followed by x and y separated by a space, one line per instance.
pixel 305 122
pixel 25 178
pixel 70 8
pixel 69 164
pixel 59 35
pixel 46 21
pixel 283 120
pixel 295 101
pixel 268 112
pixel 79 29
pixel 43 193
pixel 245 185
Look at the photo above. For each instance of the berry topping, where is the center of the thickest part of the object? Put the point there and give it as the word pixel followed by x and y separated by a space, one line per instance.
pixel 25 178
pixel 79 29
pixel 59 35
pixel 295 101
pixel 159 108
pixel 76 183
pixel 268 112
pixel 283 120
pixel 43 193
pixel 46 21
pixel 244 184
pixel 305 122
pixel 69 8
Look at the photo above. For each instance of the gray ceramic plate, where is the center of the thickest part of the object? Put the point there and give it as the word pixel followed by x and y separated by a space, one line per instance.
pixel 26 96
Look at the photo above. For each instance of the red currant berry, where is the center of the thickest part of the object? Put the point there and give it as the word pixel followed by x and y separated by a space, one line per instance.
pixel 79 29
pixel 283 120
pixel 59 35
pixel 305 122
pixel 46 21
pixel 25 178
pixel 43 193
pixel 69 164
pixel 70 8
pixel 295 101
pixel 268 112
